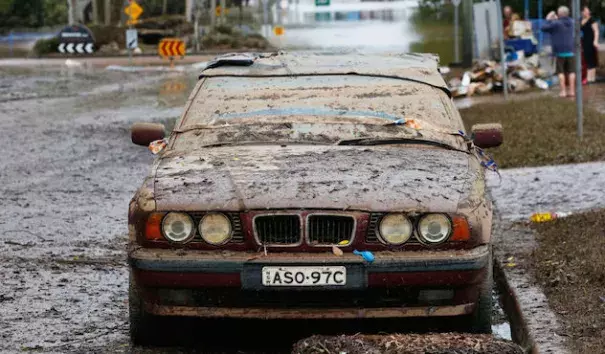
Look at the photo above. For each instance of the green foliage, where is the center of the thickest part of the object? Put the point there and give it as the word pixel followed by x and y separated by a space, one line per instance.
pixel 45 46
pixel 32 13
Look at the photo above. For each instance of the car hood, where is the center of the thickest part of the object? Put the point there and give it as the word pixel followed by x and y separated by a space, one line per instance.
pixel 379 178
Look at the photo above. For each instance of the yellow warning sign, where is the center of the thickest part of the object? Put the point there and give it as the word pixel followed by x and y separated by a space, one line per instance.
pixel 134 11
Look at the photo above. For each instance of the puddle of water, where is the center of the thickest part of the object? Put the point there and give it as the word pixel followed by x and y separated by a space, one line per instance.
pixel 502 330
pixel 500 324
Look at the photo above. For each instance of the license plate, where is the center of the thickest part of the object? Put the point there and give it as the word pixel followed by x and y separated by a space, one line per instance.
pixel 304 276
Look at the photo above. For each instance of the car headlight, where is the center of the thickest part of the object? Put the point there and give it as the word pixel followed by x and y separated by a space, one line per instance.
pixel 215 228
pixel 395 229
pixel 178 227
pixel 434 228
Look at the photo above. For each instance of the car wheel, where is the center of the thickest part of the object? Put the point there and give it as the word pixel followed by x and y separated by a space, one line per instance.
pixel 142 324
pixel 480 320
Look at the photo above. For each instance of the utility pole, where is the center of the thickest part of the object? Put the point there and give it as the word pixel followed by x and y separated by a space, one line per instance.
pixel 107 12
pixel 467 39
pixel 578 56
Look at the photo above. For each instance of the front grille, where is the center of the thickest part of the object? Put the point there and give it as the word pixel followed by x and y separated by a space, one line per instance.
pixel 372 236
pixel 278 229
pixel 330 229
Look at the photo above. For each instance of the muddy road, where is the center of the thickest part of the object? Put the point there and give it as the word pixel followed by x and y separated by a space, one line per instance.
pixel 68 174
pixel 69 171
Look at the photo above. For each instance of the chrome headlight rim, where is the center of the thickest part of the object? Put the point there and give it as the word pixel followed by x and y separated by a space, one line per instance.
pixel 425 240
pixel 384 239
pixel 172 240
pixel 229 234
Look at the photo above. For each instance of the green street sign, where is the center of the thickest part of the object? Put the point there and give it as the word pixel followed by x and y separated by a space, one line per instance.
pixel 322 2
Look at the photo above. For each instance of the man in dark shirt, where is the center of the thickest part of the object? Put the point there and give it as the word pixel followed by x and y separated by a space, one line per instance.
pixel 561 28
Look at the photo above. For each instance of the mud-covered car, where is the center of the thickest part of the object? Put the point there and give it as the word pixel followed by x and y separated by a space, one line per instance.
pixel 314 186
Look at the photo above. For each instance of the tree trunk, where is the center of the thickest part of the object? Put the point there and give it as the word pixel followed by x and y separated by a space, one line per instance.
pixel 165 7
pixel 95 12
pixel 107 12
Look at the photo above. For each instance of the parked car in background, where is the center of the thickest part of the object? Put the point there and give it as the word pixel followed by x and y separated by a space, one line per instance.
pixel 314 185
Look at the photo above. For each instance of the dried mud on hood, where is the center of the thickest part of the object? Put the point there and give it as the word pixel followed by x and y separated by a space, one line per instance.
pixel 357 178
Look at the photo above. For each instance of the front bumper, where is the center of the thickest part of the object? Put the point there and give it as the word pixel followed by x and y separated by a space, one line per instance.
pixel 227 284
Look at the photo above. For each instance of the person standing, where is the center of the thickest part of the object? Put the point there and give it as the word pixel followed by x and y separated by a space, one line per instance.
pixel 590 43
pixel 507 12
pixel 561 28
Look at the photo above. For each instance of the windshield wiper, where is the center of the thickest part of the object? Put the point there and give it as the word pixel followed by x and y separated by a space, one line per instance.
pixel 389 141
pixel 236 143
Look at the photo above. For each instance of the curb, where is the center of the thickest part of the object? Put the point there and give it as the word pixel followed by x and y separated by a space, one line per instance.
pixel 519 329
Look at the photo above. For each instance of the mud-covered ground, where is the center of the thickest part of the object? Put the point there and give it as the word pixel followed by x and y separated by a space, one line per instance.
pixel 68 174
pixel 69 171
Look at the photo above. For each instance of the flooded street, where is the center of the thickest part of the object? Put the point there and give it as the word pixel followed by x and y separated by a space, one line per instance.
pixel 352 25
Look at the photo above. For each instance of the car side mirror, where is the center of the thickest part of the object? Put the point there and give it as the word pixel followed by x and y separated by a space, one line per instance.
pixel 487 135
pixel 145 133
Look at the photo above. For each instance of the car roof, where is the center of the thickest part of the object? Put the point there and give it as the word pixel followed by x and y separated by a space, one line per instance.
pixel 422 68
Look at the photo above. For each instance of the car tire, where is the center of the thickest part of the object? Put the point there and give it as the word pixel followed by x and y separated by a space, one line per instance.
pixel 480 320
pixel 142 324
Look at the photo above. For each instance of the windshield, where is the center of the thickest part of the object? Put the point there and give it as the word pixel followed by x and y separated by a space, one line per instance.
pixel 332 108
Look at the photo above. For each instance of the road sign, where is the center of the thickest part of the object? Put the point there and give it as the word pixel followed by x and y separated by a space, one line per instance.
pixel 171 48
pixel 76 48
pixel 76 39
pixel 132 39
pixel 456 2
pixel 322 2
pixel 134 11
pixel 278 30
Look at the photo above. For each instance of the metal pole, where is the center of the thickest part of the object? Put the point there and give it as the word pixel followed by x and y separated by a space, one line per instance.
pixel 265 17
pixel 540 19
pixel 457 32
pixel 502 53
pixel 129 49
pixel 578 59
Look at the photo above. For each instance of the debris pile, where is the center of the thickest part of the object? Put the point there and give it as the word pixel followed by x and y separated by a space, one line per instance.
pixel 487 76
pixel 407 343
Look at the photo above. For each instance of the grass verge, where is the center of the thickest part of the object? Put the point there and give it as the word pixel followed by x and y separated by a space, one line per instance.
pixel 570 266
pixel 541 131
